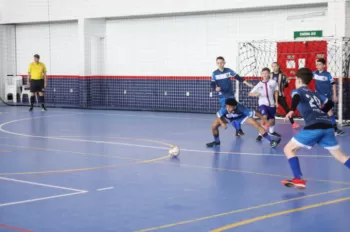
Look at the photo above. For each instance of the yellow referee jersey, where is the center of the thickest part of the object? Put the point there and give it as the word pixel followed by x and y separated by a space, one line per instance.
pixel 37 70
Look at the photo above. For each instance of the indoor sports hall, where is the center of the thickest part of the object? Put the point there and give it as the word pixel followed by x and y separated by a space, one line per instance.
pixel 125 83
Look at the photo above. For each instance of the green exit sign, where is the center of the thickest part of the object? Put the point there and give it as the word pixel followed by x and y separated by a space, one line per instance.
pixel 305 34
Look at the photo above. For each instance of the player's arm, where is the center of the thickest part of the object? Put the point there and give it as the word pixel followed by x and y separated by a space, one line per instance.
pixel 334 86
pixel 295 102
pixel 254 92
pixel 220 117
pixel 327 104
pixel 276 98
pixel 276 94
pixel 240 79
pixel 29 74
pixel 285 81
pixel 213 84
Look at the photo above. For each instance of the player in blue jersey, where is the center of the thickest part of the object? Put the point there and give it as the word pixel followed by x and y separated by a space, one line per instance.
pixel 325 85
pixel 318 127
pixel 235 112
pixel 222 84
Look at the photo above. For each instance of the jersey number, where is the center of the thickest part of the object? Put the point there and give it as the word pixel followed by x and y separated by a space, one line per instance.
pixel 314 101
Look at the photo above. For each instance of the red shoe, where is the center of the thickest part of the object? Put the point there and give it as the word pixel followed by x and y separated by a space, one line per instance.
pixel 295 125
pixel 297 183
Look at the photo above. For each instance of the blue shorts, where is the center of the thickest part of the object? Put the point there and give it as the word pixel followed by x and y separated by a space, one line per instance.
pixel 239 120
pixel 323 137
pixel 270 112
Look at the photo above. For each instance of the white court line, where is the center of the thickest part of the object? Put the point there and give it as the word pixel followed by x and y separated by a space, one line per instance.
pixel 67 139
pixel 40 199
pixel 44 185
pixel 103 189
pixel 133 145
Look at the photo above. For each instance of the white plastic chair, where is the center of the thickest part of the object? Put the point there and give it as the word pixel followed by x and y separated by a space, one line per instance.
pixel 26 91
pixel 12 87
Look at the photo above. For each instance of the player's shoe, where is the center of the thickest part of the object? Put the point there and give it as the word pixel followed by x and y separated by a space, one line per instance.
pixel 239 132
pixel 295 125
pixel 43 108
pixel 275 134
pixel 339 132
pixel 274 143
pixel 297 183
pixel 31 109
pixel 213 144
pixel 259 138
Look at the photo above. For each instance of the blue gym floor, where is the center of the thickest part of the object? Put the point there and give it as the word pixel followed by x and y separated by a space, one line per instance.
pixel 93 171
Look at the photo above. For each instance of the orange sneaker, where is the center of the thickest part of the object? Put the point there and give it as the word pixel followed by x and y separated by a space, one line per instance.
pixel 295 125
pixel 297 183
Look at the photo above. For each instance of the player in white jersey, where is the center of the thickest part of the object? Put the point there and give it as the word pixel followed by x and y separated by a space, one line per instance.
pixel 267 91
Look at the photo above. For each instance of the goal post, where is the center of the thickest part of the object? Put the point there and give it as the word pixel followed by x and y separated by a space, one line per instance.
pixel 292 55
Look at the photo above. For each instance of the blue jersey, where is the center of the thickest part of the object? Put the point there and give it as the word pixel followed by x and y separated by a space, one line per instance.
pixel 240 112
pixel 223 80
pixel 324 82
pixel 310 106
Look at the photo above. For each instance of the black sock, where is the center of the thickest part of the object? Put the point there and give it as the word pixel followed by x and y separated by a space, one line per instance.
pixel 291 120
pixel 335 127
pixel 32 99
pixel 42 101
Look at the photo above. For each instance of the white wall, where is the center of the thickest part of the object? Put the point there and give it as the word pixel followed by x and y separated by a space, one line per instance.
pixel 59 51
pixel 17 11
pixel 188 45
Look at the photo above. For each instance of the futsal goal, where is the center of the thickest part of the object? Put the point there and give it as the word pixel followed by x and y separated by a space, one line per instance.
pixel 292 55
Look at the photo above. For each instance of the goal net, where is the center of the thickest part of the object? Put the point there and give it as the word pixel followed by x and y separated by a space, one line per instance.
pixel 292 55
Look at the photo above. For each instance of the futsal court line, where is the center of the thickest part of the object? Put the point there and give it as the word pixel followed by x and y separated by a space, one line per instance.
pixel 40 184
pixel 160 160
pixel 104 189
pixel 133 145
pixel 251 172
pixel 268 216
pixel 41 199
pixel 14 228
pixel 240 210
pixel 73 152
pixel 85 169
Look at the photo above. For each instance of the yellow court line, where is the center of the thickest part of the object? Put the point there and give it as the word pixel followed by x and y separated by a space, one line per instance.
pixel 85 169
pixel 73 152
pixel 256 173
pixel 154 161
pixel 240 210
pixel 267 216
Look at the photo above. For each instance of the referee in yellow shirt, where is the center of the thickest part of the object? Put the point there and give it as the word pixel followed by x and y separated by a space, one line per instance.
pixel 37 81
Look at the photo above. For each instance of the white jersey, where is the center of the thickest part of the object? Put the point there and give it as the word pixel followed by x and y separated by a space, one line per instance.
pixel 267 92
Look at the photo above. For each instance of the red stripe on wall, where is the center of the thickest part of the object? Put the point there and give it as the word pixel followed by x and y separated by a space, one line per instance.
pixel 204 78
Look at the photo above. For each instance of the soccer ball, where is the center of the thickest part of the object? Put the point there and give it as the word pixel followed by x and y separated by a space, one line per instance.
pixel 174 151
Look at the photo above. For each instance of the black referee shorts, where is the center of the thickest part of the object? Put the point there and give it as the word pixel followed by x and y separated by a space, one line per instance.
pixel 283 102
pixel 37 86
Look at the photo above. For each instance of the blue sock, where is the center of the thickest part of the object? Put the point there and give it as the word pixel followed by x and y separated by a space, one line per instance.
pixel 347 163
pixel 332 118
pixel 267 136
pixel 216 139
pixel 295 166
pixel 237 125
